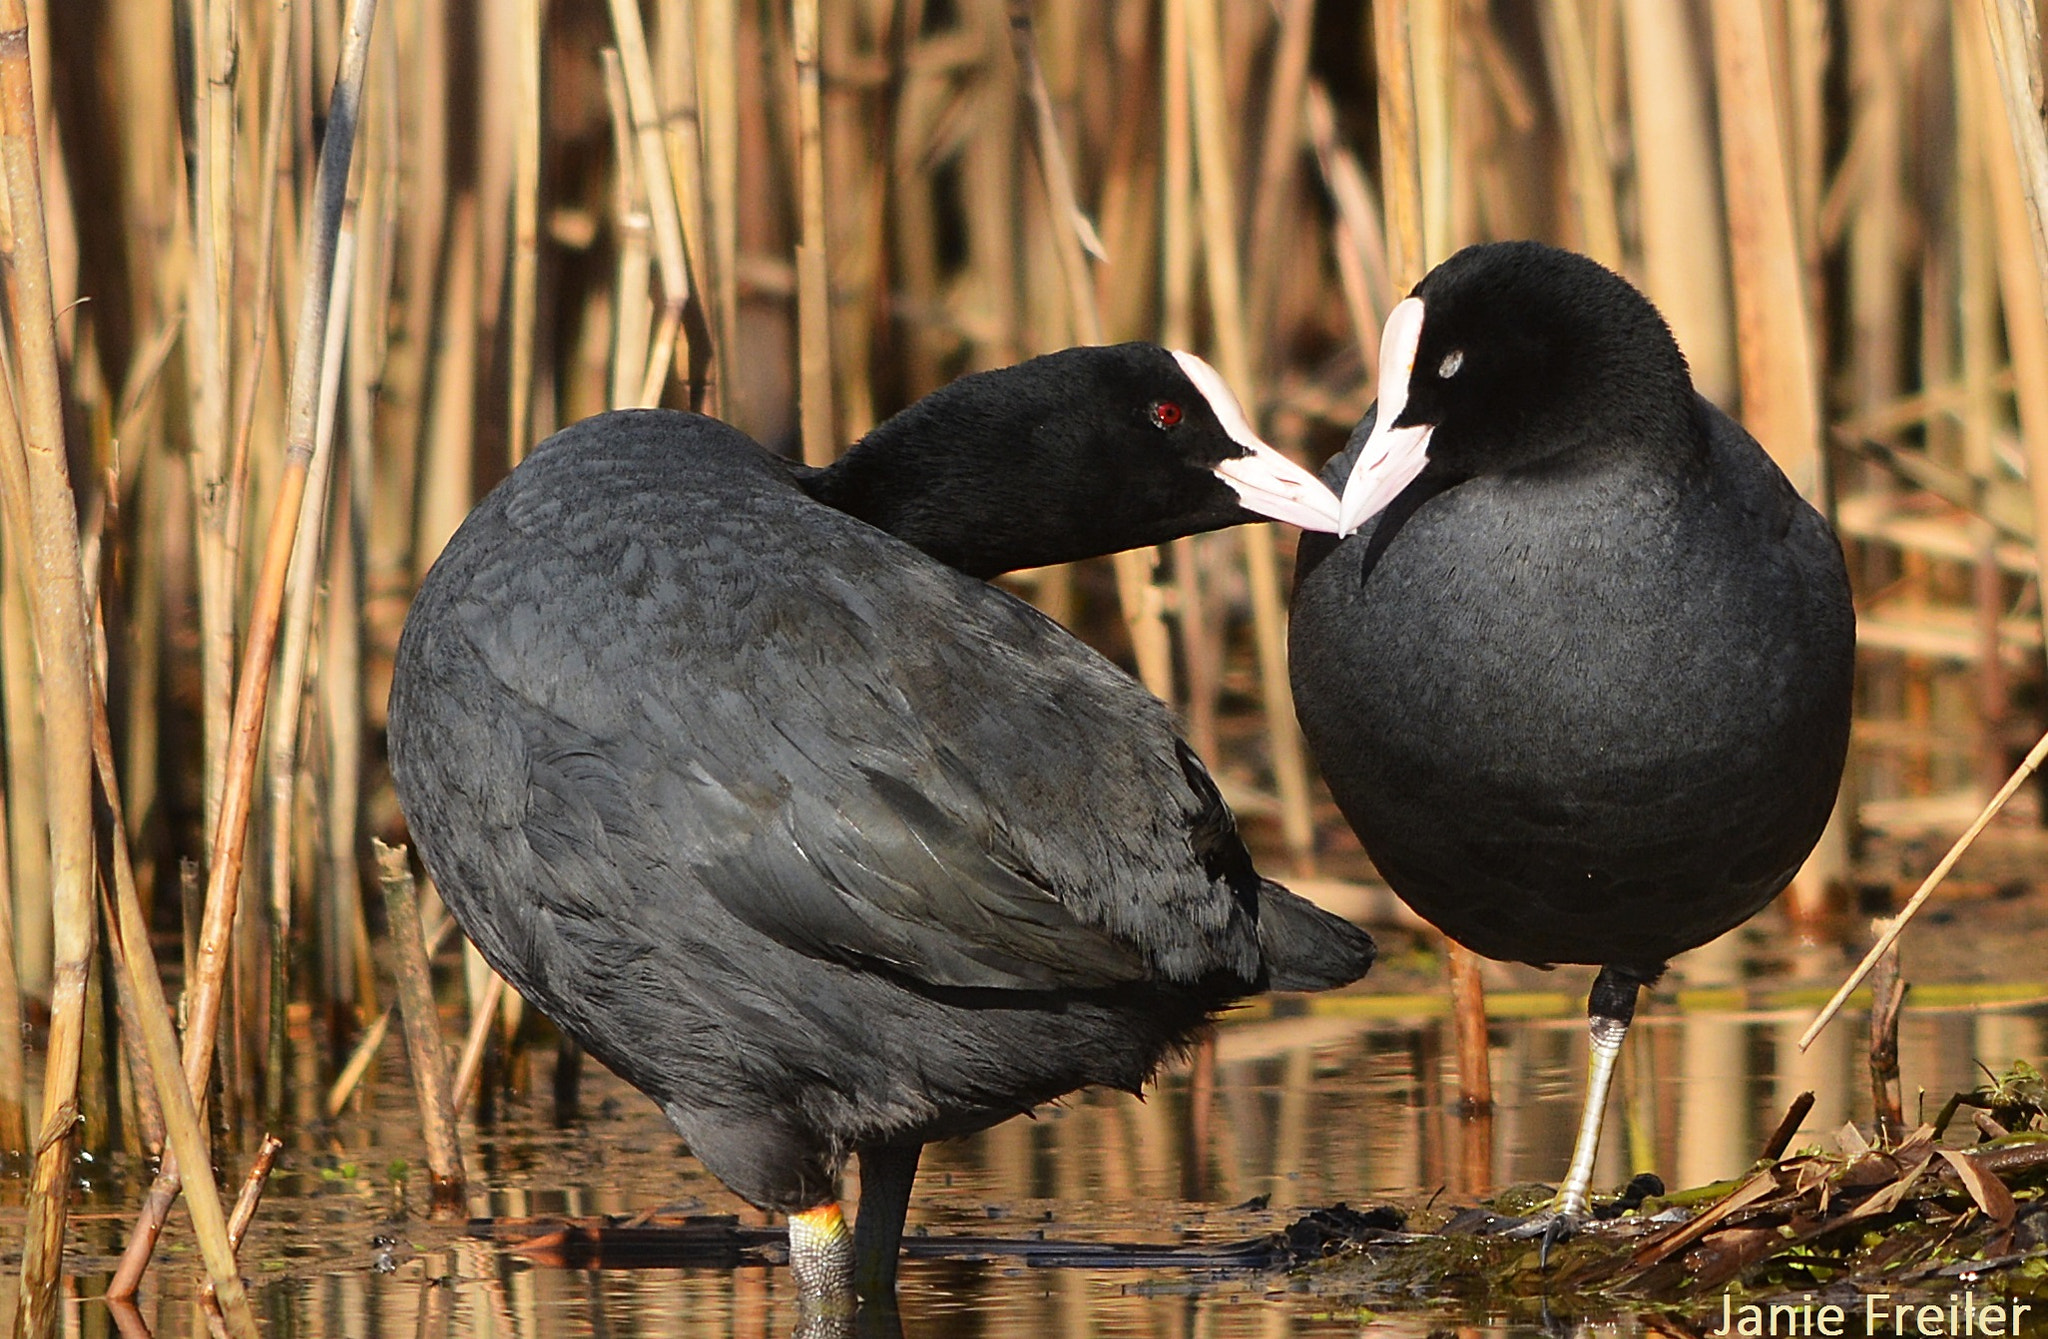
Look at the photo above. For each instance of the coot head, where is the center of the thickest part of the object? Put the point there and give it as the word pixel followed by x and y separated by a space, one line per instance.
pixel 1511 354
pixel 1069 456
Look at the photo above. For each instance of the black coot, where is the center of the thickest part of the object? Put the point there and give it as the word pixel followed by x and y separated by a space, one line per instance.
pixel 820 842
pixel 1583 689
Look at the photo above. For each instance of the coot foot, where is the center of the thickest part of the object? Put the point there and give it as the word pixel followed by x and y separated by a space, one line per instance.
pixel 821 1259
pixel 1550 1226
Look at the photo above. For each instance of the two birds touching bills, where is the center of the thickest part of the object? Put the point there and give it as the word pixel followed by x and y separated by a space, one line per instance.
pixel 742 773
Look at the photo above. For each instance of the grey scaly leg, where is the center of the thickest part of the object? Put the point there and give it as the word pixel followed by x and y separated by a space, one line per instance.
pixel 886 1174
pixel 1609 1010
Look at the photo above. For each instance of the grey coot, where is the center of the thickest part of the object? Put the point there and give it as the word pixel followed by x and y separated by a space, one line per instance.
pixel 1578 669
pixel 736 771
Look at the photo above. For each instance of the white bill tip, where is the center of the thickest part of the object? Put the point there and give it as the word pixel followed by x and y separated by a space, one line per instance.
pixel 1265 480
pixel 1392 456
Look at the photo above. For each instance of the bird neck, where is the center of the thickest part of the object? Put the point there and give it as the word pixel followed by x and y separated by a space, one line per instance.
pixel 930 486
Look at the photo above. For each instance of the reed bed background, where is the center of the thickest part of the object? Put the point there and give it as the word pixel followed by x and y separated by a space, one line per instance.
pixel 246 408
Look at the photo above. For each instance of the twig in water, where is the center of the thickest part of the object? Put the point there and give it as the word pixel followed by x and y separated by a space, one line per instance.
pixel 422 1031
pixel 1933 881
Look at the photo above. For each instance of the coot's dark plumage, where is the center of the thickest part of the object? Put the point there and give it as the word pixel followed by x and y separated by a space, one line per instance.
pixel 821 843
pixel 1583 686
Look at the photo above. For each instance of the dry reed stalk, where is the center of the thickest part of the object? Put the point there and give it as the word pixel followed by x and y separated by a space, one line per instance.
pixel 814 298
pixel 1430 62
pixel 471 1064
pixel 58 612
pixel 13 1072
pixel 272 181
pixel 128 935
pixel 427 251
pixel 1219 248
pixel 210 321
pixel 27 813
pixel 1075 240
pixel 1585 137
pixel 1876 291
pixel 422 1025
pixel 288 687
pixel 922 99
pixel 718 107
pixel 445 476
pixel 1279 154
pixel 1774 334
pixel 203 991
pixel 520 428
pixel 1400 172
pixel 661 188
pixel 150 1017
pixel 2019 190
pixel 1678 204
pixel 683 134
pixel 1355 239
pixel 853 226
pixel 372 1040
pixel 1807 48
pixel 632 311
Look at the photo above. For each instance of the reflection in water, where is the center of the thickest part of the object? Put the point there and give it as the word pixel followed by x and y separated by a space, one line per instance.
pixel 1308 1110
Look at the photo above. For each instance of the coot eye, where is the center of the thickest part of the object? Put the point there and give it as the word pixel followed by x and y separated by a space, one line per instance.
pixel 1165 413
pixel 1448 368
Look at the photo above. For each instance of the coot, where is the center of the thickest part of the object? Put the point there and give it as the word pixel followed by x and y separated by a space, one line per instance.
pixel 1578 671
pixel 736 771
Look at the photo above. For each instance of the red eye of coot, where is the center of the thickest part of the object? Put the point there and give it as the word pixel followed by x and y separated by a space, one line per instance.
pixel 1165 413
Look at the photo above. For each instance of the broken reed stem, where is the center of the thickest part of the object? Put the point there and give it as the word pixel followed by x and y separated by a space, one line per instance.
pixel 203 995
pixel 1781 1138
pixel 1888 993
pixel 57 605
pixel 1468 1030
pixel 252 1189
pixel 422 1023
pixel 1925 890
pixel 251 1197
pixel 813 295
pixel 372 1041
pixel 1074 240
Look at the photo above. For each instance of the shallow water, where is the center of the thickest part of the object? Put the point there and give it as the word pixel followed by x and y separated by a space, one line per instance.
pixel 1339 1098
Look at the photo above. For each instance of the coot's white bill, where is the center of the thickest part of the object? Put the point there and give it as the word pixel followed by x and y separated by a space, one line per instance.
pixel 1265 480
pixel 1392 456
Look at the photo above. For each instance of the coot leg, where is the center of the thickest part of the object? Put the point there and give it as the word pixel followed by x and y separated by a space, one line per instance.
pixel 886 1172
pixel 821 1259
pixel 1609 1009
